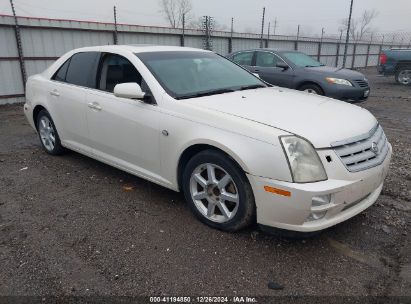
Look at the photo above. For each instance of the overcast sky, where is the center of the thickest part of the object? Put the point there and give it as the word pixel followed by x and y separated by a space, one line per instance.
pixel 393 15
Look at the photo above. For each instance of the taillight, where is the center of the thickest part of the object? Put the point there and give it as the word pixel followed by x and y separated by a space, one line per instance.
pixel 383 59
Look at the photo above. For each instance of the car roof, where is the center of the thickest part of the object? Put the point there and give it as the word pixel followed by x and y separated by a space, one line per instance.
pixel 267 49
pixel 135 48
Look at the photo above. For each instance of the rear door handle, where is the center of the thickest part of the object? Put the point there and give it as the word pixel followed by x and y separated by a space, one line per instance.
pixel 55 93
pixel 94 105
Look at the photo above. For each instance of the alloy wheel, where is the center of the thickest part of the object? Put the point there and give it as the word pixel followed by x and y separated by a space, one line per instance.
pixel 47 133
pixel 214 193
pixel 404 77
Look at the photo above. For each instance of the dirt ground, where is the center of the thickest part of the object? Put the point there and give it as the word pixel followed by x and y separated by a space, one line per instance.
pixel 69 227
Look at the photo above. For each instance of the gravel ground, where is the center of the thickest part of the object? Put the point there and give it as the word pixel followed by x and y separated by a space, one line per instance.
pixel 73 226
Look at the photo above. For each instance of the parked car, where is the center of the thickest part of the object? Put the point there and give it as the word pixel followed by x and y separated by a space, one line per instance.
pixel 296 70
pixel 397 63
pixel 193 121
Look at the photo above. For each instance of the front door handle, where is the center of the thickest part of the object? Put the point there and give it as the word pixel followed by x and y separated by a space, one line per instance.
pixel 55 93
pixel 94 105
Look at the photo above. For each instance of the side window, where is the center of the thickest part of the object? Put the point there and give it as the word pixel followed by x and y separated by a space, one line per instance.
pixel 115 69
pixel 61 73
pixel 245 58
pixel 265 59
pixel 82 69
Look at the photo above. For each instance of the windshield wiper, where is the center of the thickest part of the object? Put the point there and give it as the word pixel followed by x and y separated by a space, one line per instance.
pixel 253 86
pixel 206 93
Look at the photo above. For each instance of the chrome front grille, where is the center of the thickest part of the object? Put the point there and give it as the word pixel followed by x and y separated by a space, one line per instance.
pixel 361 83
pixel 363 152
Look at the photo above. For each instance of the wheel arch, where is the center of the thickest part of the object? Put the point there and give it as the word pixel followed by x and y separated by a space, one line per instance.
pixel 36 112
pixel 306 82
pixel 198 147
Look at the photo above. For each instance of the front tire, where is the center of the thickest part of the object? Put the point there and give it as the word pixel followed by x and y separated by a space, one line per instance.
pixel 312 88
pixel 218 192
pixel 49 138
pixel 403 75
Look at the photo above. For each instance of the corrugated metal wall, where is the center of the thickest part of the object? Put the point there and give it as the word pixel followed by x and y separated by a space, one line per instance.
pixel 44 40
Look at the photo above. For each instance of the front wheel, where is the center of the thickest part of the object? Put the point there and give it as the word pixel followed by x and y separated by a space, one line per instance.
pixel 312 89
pixel 403 75
pixel 218 191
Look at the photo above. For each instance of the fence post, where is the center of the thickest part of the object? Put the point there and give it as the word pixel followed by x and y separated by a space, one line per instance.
pixel 368 52
pixel 353 55
pixel 182 42
pixel 115 38
pixel 262 29
pixel 19 47
pixel 296 40
pixel 230 41
pixel 337 55
pixel 320 45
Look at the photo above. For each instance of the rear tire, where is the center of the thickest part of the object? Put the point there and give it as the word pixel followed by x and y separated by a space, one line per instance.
pixel 403 75
pixel 218 191
pixel 312 89
pixel 48 135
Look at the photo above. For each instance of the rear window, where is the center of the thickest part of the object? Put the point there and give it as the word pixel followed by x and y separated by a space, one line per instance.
pixel 62 72
pixel 82 69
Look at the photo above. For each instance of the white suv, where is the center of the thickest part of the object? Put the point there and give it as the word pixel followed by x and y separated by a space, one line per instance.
pixel 192 121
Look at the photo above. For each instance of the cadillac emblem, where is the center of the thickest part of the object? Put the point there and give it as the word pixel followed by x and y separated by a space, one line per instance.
pixel 374 148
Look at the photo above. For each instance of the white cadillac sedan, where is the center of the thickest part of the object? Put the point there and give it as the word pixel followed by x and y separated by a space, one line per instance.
pixel 192 121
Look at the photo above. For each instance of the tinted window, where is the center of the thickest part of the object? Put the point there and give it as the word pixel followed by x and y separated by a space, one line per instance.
pixel 245 58
pixel 82 70
pixel 265 59
pixel 192 73
pixel 60 75
pixel 116 69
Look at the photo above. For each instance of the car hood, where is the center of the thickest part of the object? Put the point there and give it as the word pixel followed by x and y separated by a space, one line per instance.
pixel 336 72
pixel 319 119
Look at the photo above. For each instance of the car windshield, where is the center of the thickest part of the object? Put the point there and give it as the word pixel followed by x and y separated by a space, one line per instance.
pixel 188 74
pixel 302 60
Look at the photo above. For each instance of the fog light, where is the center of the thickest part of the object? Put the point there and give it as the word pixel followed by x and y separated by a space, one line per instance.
pixel 321 200
pixel 316 215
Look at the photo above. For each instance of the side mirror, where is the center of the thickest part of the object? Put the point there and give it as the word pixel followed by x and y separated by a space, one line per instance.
pixel 282 65
pixel 129 90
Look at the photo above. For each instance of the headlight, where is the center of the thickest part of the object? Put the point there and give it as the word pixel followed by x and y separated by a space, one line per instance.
pixel 305 165
pixel 339 81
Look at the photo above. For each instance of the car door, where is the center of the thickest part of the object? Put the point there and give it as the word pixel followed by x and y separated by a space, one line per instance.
pixel 266 68
pixel 123 132
pixel 67 98
pixel 245 59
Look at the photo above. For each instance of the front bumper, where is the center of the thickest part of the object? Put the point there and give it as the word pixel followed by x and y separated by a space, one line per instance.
pixel 350 195
pixel 348 93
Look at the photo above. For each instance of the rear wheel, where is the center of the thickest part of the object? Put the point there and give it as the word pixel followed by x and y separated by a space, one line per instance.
pixel 403 75
pixel 48 135
pixel 312 89
pixel 218 191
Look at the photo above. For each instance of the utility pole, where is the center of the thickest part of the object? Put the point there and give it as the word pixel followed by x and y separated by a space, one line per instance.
pixel 337 55
pixel 275 25
pixel 347 38
pixel 268 35
pixel 262 29
pixel 19 46
pixel 115 26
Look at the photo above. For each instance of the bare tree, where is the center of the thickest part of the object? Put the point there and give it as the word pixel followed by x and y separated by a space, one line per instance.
pixel 174 10
pixel 360 27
